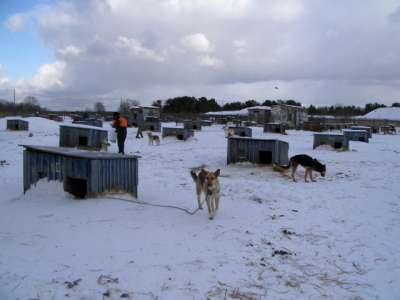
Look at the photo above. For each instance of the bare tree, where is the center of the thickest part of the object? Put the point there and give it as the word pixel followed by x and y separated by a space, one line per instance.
pixel 125 106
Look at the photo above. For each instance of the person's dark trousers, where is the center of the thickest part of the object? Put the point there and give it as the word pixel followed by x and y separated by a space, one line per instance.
pixel 139 134
pixel 121 137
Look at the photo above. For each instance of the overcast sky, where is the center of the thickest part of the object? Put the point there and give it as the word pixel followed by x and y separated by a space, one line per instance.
pixel 70 54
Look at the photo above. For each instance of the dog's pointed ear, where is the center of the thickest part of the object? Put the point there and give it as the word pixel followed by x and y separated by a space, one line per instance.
pixel 216 173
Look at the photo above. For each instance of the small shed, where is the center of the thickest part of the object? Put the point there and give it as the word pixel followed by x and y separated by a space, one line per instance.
pixel 179 132
pixel 242 131
pixel 84 137
pixel 275 128
pixel 366 128
pixel 192 124
pixel 83 173
pixel 356 135
pixel 17 124
pixel 259 151
pixel 336 141
pixel 89 122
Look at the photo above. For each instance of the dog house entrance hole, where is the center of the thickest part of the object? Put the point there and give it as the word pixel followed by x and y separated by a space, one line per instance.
pixel 242 133
pixel 83 141
pixel 337 145
pixel 16 126
pixel 151 128
pixel 180 137
pixel 361 139
pixel 194 127
pixel 265 157
pixel 277 130
pixel 76 186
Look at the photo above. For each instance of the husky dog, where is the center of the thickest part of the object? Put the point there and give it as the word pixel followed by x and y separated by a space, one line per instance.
pixel 153 139
pixel 207 182
pixel 309 163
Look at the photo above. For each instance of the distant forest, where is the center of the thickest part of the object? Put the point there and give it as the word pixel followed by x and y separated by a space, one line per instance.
pixel 193 105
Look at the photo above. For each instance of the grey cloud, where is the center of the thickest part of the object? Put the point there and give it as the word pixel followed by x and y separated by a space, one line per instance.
pixel 318 51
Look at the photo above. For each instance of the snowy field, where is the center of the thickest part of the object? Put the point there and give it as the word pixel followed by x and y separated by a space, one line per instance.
pixel 339 236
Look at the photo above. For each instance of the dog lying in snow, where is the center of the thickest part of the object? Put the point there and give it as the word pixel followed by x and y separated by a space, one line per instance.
pixel 309 163
pixel 207 182
pixel 229 132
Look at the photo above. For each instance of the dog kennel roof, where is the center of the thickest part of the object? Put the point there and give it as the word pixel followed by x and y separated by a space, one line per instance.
pixel 256 139
pixel 84 127
pixel 333 134
pixel 77 153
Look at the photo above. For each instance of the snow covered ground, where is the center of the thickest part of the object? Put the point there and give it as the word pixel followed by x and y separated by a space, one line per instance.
pixel 341 233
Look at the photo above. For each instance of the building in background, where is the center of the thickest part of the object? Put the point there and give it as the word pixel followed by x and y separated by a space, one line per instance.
pixel 139 114
pixel 293 116
pixel 259 114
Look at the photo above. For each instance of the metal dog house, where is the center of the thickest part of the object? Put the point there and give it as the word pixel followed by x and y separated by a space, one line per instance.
pixel 366 128
pixel 192 125
pixel 242 131
pixel 336 141
pixel 17 124
pixel 259 151
pixel 275 128
pixel 356 135
pixel 85 137
pixel 178 132
pixel 83 173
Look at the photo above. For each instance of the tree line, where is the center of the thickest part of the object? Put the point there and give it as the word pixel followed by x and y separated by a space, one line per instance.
pixel 193 105
pixel 29 105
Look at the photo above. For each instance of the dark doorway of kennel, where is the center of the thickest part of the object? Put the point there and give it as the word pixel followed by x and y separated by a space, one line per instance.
pixel 180 137
pixel 277 130
pixel 242 133
pixel 361 139
pixel 337 145
pixel 76 186
pixel 265 157
pixel 151 128
pixel 82 141
pixel 194 127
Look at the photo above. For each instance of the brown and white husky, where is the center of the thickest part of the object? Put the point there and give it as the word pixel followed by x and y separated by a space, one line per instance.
pixel 153 139
pixel 207 182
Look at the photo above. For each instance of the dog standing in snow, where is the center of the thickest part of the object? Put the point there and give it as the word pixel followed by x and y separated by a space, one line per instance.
pixel 307 162
pixel 207 182
pixel 153 139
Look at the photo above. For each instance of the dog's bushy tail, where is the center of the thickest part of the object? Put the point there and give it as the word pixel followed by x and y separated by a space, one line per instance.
pixel 280 168
pixel 194 175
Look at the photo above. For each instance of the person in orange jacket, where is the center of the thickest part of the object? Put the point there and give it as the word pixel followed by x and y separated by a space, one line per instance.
pixel 120 124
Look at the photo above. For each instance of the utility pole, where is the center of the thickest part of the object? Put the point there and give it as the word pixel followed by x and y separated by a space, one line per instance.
pixel 15 106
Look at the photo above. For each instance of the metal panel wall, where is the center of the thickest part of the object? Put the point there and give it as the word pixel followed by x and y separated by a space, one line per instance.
pixel 275 128
pixel 17 125
pixel 175 131
pixel 101 175
pixel 332 140
pixel 69 137
pixel 246 149
pixel 242 131
pixel 369 129
pixel 356 135
pixel 192 125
